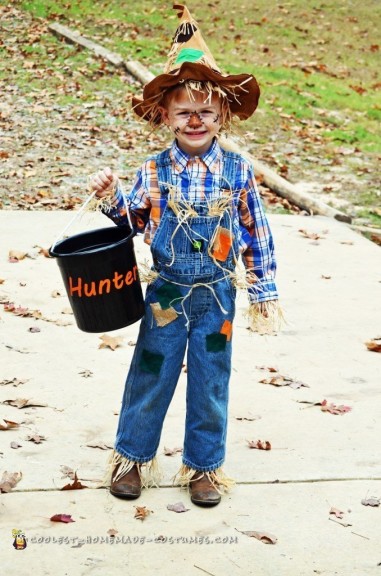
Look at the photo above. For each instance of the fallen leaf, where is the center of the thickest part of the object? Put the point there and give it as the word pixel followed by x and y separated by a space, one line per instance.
pixel 16 255
pixel 178 507
pixel 264 537
pixel 112 532
pixel 65 518
pixel 344 524
pixel 9 481
pixel 67 472
pixel 36 438
pixel 100 445
pixel 373 501
pixel 15 445
pixel 259 444
pixel 269 368
pixel 280 380
pixel 374 345
pixel 76 485
pixel 34 329
pixel 141 512
pixel 325 407
pixel 14 382
pixel 334 409
pixel 171 451
pixel 23 403
pixel 56 294
pixel 85 373
pixel 8 424
pixel 249 417
pixel 112 342
pixel 67 311
pixel 310 235
pixel 43 251
pixel 338 513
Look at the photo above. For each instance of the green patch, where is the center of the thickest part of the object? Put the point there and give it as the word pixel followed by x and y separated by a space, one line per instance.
pixel 151 362
pixel 216 342
pixel 166 294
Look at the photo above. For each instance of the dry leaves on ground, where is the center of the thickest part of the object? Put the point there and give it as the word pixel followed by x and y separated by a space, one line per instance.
pixel 372 501
pixel 171 451
pixel 338 513
pixel 16 255
pixel 259 444
pixel 65 518
pixel 264 537
pixel 374 345
pixel 100 445
pixel 328 407
pixel 311 235
pixel 178 507
pixel 249 417
pixel 76 485
pixel 111 342
pixel 36 438
pixel 15 445
pixel 8 424
pixel 9 481
pixel 280 380
pixel 23 403
pixel 67 472
pixel 141 512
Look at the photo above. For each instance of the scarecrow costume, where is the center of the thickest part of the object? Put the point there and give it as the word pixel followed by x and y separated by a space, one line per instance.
pixel 198 214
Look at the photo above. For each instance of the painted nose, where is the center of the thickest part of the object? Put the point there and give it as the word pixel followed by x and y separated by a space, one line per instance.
pixel 194 120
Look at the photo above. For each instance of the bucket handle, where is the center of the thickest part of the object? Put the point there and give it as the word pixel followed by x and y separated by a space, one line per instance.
pixel 82 209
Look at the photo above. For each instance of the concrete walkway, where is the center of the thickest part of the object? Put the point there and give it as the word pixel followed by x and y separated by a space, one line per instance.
pixel 331 294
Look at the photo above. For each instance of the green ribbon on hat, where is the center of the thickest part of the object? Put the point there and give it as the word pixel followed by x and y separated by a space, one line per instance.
pixel 189 55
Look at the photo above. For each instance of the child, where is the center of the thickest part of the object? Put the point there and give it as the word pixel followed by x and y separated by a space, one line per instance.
pixel 199 207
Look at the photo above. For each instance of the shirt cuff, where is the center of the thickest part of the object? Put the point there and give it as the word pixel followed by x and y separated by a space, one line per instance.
pixel 262 291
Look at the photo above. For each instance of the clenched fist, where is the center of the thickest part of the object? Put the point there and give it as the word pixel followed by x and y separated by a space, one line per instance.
pixel 103 182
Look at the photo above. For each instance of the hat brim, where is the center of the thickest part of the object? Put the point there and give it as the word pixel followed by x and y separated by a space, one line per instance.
pixel 242 90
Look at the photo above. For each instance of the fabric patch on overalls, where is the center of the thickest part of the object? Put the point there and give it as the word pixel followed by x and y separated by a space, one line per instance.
pixel 227 329
pixel 151 362
pixel 163 317
pixel 166 294
pixel 222 244
pixel 215 342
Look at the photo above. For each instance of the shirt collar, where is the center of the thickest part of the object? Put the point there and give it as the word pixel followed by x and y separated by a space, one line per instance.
pixel 211 158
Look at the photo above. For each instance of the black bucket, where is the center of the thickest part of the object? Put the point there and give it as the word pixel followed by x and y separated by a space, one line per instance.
pixel 101 278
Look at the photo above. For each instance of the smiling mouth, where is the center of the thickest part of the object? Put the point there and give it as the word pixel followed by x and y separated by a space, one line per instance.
pixel 196 133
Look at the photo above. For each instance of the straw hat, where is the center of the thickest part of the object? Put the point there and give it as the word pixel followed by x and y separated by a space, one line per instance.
pixel 191 59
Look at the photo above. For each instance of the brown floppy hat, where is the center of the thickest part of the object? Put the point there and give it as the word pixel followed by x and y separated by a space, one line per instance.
pixel 191 60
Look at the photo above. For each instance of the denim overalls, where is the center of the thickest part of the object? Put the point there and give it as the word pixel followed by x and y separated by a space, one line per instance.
pixel 190 305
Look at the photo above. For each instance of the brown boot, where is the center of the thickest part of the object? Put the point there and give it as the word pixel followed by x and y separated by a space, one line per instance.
pixel 128 486
pixel 202 491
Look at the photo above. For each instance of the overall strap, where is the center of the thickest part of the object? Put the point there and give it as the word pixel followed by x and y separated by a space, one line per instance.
pixel 230 169
pixel 164 172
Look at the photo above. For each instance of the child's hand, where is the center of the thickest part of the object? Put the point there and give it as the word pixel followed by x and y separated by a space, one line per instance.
pixel 103 182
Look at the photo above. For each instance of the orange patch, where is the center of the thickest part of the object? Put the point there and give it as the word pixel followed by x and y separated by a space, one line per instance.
pixel 227 329
pixel 222 244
